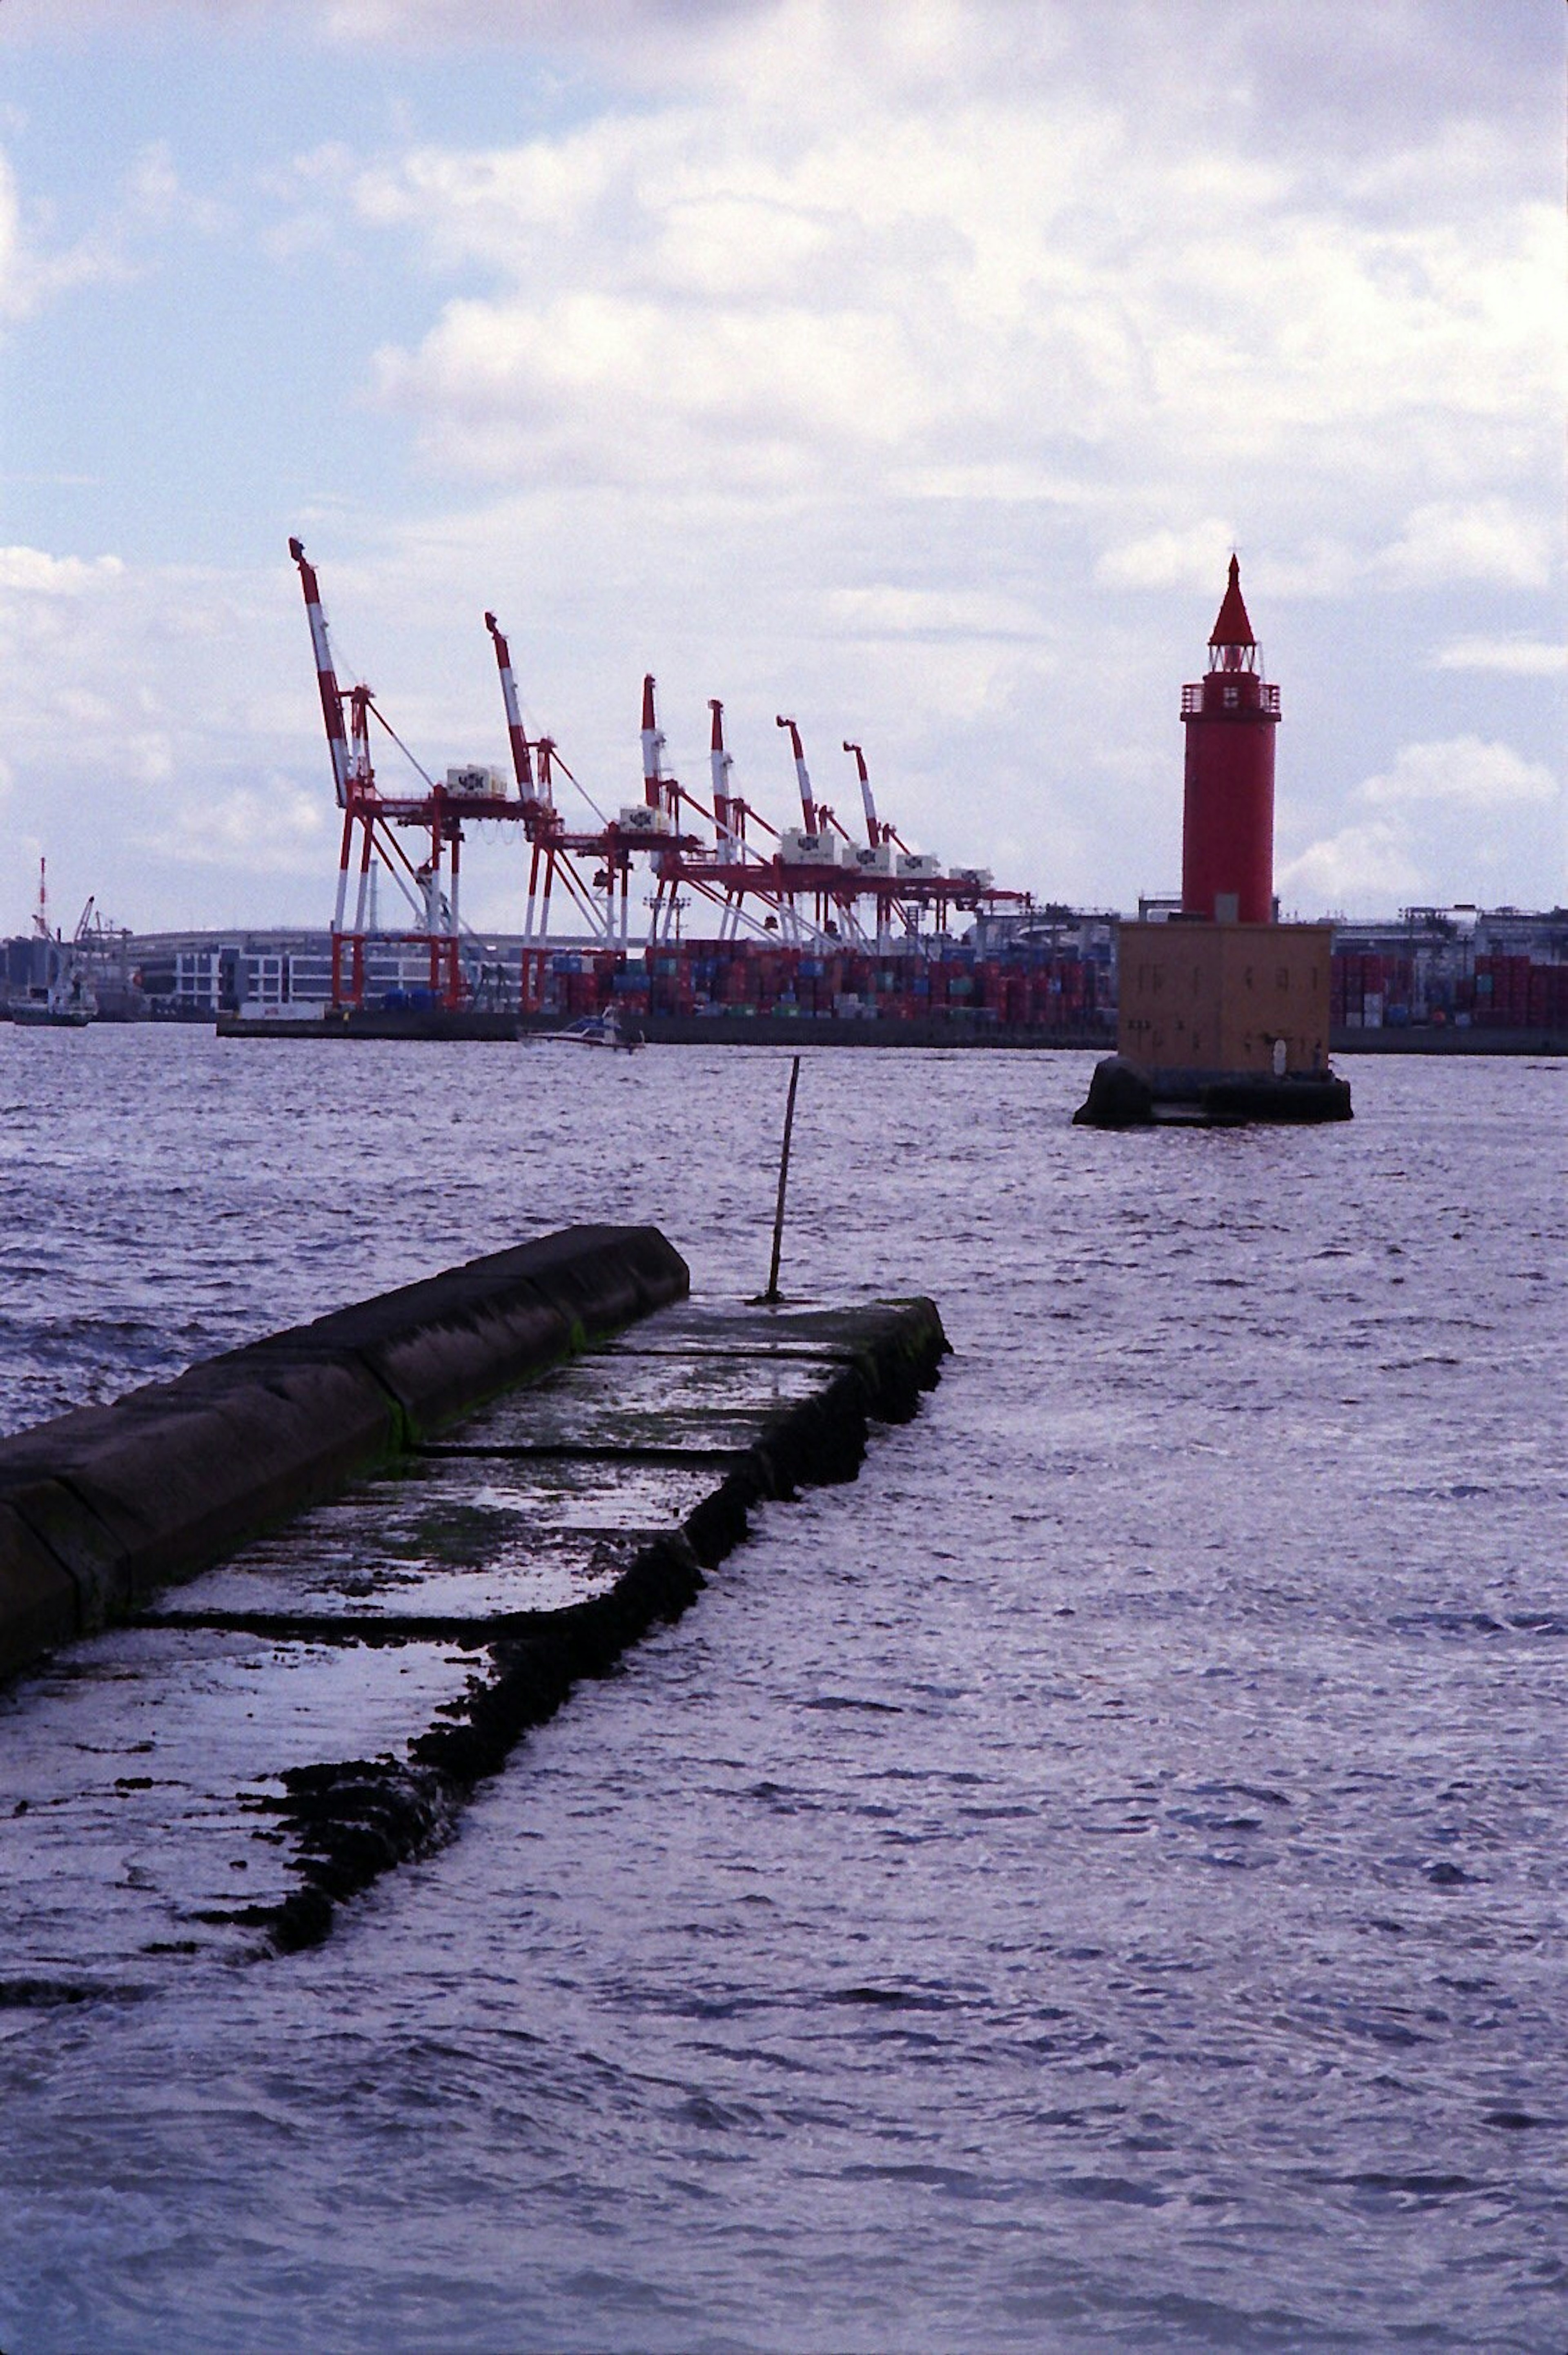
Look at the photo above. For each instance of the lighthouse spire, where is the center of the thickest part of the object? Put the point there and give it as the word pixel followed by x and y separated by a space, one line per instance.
pixel 1231 644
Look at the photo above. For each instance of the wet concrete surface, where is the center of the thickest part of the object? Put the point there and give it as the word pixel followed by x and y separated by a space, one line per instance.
pixel 144 1771
pixel 104 1505
pixel 216 1776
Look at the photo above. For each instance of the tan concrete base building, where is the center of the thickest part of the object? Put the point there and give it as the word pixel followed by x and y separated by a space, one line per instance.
pixel 1218 998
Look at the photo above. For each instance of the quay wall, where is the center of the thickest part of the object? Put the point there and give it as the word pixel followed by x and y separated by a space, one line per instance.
pixel 100 1506
pixel 738 1029
pixel 1413 1038
pixel 729 1029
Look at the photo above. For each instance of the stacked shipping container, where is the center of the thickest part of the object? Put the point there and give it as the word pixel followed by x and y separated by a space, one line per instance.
pixel 1062 994
pixel 1370 991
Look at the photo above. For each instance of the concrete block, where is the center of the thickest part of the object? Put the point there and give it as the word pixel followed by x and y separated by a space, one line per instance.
pixel 68 1531
pixel 181 1472
pixel 38 1605
pixel 444 1346
pixel 118 1499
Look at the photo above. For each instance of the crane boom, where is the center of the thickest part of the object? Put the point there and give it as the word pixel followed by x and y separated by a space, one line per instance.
pixel 653 747
pixel 522 761
pixel 801 774
pixel 867 800
pixel 725 818
pixel 325 675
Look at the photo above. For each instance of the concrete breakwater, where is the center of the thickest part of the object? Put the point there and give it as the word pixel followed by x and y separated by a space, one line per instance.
pixel 100 1506
pixel 225 1765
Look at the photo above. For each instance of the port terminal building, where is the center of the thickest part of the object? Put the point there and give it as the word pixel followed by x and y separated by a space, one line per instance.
pixel 1053 969
pixel 1425 970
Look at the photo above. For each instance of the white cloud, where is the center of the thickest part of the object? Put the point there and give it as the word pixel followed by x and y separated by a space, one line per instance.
pixel 1017 482
pixel 617 388
pixel 34 272
pixel 1490 543
pixel 31 275
pixel 33 572
pixel 275 827
pixel 804 272
pixel 1441 811
pixel 893 612
pixel 1194 559
pixel 1361 867
pixel 356 22
pixel 155 195
pixel 1518 657
pixel 1450 542
pixel 1463 769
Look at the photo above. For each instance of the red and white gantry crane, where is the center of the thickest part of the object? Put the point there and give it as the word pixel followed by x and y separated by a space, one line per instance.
pixel 813 885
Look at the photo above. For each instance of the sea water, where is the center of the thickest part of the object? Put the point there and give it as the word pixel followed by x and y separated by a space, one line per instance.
pixel 1095 1884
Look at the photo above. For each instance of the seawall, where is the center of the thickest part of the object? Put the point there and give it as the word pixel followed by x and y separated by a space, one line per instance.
pixel 320 1704
pixel 1410 1038
pixel 101 1507
pixel 736 1030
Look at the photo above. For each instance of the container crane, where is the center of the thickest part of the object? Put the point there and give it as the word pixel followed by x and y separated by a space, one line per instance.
pixel 593 866
pixel 540 813
pixel 807 886
pixel 818 863
pixel 371 819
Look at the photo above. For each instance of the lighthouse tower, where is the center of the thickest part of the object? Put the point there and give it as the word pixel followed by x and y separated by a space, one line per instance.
pixel 1222 1013
pixel 1227 825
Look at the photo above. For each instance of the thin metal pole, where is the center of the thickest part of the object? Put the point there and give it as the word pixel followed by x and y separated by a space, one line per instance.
pixel 771 1295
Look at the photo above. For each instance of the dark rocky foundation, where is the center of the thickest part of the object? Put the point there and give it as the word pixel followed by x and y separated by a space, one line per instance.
pixel 1123 1094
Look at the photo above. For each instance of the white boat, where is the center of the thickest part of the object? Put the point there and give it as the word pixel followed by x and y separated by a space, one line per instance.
pixel 594 1031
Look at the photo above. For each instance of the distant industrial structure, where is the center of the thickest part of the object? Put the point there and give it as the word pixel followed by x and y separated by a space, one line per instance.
pixel 816 889
pixel 1423 975
pixel 853 937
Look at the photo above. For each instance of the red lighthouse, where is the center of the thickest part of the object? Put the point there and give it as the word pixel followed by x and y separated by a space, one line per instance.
pixel 1227 823
pixel 1222 1015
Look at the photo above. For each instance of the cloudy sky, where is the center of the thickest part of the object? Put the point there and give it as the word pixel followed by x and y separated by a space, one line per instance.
pixel 912 366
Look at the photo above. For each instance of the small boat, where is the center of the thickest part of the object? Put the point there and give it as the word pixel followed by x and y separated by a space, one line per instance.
pixel 594 1031
pixel 68 1004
